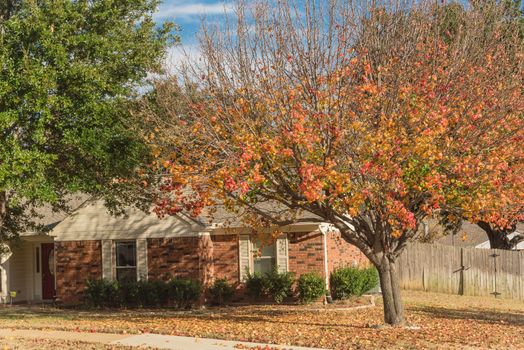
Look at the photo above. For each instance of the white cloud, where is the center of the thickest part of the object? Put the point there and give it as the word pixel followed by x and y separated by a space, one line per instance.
pixel 178 56
pixel 178 10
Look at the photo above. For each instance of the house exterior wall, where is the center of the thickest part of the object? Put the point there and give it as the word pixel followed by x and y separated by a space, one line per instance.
pixel 205 257
pixel 76 262
pixel 93 222
pixel 306 253
pixel 173 257
pixel 225 257
pixel 179 247
pixel 341 253
pixel 20 271
pixel 174 247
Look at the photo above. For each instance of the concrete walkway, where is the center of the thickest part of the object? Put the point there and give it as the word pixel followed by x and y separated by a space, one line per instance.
pixel 145 340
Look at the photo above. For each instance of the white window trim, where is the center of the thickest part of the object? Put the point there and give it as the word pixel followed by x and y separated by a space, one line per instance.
pixel 115 258
pixel 251 256
pixel 141 259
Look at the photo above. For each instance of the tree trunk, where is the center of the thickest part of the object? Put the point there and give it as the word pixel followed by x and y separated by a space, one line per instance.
pixel 498 239
pixel 390 285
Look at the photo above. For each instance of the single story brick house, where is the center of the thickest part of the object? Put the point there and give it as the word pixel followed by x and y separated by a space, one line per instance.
pixel 90 243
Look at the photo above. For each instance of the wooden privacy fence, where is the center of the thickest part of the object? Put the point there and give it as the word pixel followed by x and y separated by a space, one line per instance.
pixel 463 271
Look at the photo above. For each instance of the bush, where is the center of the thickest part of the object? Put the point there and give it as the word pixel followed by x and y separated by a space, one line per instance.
pixel 272 284
pixel 311 286
pixel 129 294
pixel 153 293
pixel 221 292
pixel 371 279
pixel 255 285
pixel 277 285
pixel 350 281
pixel 184 292
pixel 102 293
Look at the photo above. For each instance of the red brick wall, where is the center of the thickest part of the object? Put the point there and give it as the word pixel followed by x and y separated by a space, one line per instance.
pixel 225 257
pixel 306 253
pixel 76 262
pixel 342 254
pixel 173 257
pixel 202 258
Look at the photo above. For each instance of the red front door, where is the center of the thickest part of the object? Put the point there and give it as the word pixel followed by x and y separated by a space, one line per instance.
pixel 48 270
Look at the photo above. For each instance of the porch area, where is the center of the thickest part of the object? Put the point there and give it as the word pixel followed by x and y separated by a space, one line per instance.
pixel 27 272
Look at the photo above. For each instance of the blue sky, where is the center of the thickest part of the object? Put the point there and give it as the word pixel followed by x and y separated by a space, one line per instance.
pixel 188 14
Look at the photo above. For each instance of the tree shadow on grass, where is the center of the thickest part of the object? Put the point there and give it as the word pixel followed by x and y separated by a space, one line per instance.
pixel 481 315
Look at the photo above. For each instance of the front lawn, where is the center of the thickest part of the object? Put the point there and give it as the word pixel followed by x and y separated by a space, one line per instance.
pixel 13 343
pixel 445 321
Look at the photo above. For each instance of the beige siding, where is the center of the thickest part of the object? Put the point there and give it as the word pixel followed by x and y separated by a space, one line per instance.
pixel 21 271
pixel 93 222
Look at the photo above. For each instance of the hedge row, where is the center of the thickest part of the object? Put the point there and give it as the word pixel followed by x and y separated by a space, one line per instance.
pixel 277 286
pixel 344 283
pixel 178 292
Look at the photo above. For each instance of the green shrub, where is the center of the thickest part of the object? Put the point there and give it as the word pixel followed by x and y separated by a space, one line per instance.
pixel 184 292
pixel 255 285
pixel 352 281
pixel 129 293
pixel 153 293
pixel 221 292
pixel 102 293
pixel 277 285
pixel 310 286
pixel 371 279
pixel 274 285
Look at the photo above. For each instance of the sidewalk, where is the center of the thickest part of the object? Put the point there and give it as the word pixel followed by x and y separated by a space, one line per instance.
pixel 145 340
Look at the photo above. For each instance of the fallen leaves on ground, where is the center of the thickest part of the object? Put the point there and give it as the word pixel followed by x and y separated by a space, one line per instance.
pixel 444 321
pixel 11 343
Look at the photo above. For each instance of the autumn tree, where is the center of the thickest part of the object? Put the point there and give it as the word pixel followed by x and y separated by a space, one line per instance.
pixel 67 68
pixel 361 116
pixel 498 217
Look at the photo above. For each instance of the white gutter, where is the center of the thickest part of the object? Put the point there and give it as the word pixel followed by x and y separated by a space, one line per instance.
pixel 221 228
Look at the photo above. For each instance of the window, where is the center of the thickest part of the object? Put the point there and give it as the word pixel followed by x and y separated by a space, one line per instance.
pixel 125 261
pixel 264 257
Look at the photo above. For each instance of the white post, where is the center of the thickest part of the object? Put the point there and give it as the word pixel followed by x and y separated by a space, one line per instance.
pixel 324 229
